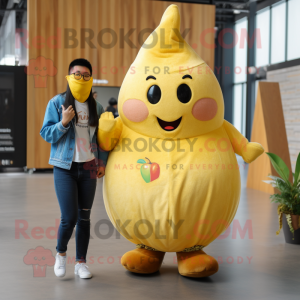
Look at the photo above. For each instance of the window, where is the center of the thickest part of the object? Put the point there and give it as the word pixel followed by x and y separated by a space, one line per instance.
pixel 278 25
pixel 240 54
pixel 7 38
pixel 240 78
pixel 278 30
pixel 239 107
pixel 293 39
pixel 262 54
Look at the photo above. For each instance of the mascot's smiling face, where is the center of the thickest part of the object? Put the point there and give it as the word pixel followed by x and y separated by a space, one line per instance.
pixel 169 92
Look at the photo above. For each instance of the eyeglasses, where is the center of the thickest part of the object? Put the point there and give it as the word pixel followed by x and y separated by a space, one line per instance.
pixel 78 76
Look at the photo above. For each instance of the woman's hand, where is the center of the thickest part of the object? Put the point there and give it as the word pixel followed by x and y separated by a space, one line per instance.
pixel 101 172
pixel 68 115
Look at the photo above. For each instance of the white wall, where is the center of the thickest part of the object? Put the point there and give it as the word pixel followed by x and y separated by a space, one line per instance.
pixel 289 82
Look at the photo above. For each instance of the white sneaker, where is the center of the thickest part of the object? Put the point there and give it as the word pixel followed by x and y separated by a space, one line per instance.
pixel 82 271
pixel 60 265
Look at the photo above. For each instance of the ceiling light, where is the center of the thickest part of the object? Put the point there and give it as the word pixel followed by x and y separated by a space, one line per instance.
pixel 100 81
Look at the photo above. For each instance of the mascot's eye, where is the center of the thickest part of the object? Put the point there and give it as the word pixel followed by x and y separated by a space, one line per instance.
pixel 184 93
pixel 35 258
pixel 43 258
pixel 154 94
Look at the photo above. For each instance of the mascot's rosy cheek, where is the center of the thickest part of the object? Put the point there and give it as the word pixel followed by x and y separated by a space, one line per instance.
pixel 135 110
pixel 205 109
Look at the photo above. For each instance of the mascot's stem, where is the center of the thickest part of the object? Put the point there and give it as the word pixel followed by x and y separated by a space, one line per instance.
pixel 149 160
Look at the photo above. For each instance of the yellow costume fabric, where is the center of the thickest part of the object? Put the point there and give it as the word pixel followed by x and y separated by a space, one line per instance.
pixel 193 194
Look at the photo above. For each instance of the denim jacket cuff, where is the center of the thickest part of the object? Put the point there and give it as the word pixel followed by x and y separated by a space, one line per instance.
pixel 61 127
pixel 101 162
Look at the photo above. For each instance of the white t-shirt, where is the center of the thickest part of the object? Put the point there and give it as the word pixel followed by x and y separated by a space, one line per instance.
pixel 82 151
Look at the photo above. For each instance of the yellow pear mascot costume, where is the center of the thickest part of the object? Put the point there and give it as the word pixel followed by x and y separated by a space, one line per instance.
pixel 172 181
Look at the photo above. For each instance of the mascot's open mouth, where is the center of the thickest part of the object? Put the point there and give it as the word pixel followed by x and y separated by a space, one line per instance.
pixel 169 126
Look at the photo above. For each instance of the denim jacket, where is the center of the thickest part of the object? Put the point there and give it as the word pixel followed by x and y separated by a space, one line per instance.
pixel 62 138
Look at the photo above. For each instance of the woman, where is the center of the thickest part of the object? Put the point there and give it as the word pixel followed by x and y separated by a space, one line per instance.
pixel 70 125
pixel 95 95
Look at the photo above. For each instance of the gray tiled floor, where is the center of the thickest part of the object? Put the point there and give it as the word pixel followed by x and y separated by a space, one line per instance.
pixel 273 272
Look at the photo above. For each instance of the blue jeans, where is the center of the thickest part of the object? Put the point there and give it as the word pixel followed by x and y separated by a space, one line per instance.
pixel 75 190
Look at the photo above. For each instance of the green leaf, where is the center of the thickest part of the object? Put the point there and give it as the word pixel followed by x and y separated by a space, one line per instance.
pixel 272 182
pixel 280 167
pixel 297 170
pixel 275 177
pixel 141 161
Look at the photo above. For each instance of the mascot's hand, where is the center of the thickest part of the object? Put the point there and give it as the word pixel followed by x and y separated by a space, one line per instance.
pixel 107 122
pixel 252 152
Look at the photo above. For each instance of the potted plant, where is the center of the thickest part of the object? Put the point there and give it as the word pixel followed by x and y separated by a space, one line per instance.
pixel 288 198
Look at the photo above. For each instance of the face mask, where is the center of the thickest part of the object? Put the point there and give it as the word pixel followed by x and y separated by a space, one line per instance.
pixel 80 89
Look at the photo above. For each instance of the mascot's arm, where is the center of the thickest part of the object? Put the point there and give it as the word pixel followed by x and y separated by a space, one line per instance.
pixel 248 151
pixel 109 131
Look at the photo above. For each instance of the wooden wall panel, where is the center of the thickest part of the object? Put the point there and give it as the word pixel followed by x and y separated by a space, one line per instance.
pixel 54 18
pixel 269 130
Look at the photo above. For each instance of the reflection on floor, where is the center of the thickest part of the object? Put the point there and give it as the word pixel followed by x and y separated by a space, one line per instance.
pixel 255 264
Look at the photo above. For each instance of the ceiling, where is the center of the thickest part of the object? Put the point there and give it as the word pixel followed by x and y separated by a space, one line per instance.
pixel 226 10
pixel 19 6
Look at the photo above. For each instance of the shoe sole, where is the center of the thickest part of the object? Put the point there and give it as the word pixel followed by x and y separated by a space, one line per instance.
pixel 60 275
pixel 84 277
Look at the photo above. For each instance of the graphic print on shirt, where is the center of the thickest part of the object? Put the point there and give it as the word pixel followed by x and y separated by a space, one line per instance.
pixel 83 119
pixel 82 116
pixel 82 151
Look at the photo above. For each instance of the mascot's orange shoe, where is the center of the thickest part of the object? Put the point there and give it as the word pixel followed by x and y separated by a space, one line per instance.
pixel 196 264
pixel 142 261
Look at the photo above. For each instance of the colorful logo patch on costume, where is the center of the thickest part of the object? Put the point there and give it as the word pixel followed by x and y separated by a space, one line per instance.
pixel 150 171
